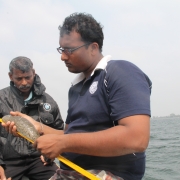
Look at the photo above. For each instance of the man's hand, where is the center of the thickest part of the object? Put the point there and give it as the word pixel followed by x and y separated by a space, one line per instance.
pixel 49 145
pixel 11 128
pixel 45 160
pixel 2 174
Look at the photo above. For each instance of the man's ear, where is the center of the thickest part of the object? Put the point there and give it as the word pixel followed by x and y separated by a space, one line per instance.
pixel 34 73
pixel 10 76
pixel 95 47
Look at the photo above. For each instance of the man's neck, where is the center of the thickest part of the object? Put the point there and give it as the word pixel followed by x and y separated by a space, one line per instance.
pixel 25 95
pixel 96 61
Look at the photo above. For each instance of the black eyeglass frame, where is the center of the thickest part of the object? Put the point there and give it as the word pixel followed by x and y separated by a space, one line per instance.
pixel 69 51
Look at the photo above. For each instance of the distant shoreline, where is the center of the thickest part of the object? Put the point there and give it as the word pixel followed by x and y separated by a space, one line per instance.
pixel 171 116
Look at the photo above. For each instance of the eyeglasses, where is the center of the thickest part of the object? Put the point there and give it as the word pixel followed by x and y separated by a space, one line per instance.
pixel 69 51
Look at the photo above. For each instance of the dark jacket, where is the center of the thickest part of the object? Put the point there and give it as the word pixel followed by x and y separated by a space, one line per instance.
pixel 41 107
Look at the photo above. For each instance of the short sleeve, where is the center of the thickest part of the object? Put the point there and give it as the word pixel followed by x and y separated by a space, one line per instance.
pixel 129 90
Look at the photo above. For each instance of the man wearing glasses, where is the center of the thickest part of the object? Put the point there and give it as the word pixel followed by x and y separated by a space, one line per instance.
pixel 108 121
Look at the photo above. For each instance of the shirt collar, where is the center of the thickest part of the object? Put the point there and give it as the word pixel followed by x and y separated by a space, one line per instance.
pixel 101 65
pixel 28 99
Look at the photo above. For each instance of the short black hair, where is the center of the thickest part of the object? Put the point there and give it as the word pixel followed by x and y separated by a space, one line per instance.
pixel 22 63
pixel 84 24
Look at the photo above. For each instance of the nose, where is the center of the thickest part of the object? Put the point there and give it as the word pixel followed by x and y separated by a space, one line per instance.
pixel 64 56
pixel 24 82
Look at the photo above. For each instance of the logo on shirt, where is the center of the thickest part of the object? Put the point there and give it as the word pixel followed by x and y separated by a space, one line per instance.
pixel 47 106
pixel 93 87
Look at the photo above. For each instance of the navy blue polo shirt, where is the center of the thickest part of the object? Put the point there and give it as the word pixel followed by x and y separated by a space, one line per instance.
pixel 116 89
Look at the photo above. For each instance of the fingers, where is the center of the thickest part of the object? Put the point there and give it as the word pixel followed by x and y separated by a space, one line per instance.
pixel 2 175
pixel 35 145
pixel 46 160
pixel 46 146
pixel 6 125
pixel 13 129
pixel 42 159
pixel 10 127
pixel 15 113
pixel 30 119
pixel 14 132
pixel 41 133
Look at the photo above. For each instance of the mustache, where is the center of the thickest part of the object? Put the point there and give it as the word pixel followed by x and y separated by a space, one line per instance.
pixel 24 87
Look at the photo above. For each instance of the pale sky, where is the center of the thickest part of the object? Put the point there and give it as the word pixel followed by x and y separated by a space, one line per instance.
pixel 145 32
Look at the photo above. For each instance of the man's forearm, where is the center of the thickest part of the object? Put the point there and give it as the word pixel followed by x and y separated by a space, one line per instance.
pixel 119 140
pixel 48 130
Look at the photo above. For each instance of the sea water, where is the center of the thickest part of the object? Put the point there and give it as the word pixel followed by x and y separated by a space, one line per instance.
pixel 163 153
